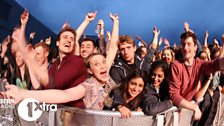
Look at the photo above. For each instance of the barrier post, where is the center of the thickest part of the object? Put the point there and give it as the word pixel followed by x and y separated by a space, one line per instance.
pixel 160 120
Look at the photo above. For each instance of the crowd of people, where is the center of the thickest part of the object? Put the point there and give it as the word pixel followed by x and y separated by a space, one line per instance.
pixel 115 74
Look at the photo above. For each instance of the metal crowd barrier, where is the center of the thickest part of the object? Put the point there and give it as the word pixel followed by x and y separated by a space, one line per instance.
pixel 89 117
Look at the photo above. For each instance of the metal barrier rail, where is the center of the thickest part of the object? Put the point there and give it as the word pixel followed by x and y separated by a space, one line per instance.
pixel 89 117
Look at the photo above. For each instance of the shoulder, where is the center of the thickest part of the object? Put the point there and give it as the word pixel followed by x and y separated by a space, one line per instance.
pixel 118 62
pixel 74 58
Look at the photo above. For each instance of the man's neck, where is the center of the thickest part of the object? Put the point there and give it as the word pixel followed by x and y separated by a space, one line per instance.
pixel 61 56
pixel 189 62
pixel 44 65
pixel 132 61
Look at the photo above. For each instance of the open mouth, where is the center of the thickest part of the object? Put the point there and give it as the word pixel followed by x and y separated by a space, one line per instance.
pixel 67 45
pixel 103 73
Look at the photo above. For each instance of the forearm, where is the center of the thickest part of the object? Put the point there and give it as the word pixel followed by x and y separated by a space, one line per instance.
pixel 113 45
pixel 200 94
pixel 151 107
pixel 55 96
pixel 154 42
pixel 102 44
pixel 81 29
pixel 188 105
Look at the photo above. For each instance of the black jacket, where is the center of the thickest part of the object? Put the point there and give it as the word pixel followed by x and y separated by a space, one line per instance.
pixel 120 69
pixel 154 103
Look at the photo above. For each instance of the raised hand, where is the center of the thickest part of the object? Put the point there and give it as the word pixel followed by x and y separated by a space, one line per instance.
pixel 223 38
pixel 5 42
pixel 100 28
pixel 48 40
pixel 186 26
pixel 206 34
pixel 65 25
pixel 32 34
pixel 174 45
pixel 101 23
pixel 114 17
pixel 216 43
pixel 91 16
pixel 166 42
pixel 24 17
pixel 155 31
pixel 160 41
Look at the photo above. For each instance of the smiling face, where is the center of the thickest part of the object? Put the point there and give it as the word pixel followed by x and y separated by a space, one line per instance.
pixel 135 87
pixel 157 77
pixel 98 68
pixel 188 48
pixel 167 56
pixel 66 43
pixel 204 56
pixel 19 59
pixel 86 49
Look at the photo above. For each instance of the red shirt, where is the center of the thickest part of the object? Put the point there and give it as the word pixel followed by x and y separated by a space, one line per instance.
pixel 72 71
pixel 184 79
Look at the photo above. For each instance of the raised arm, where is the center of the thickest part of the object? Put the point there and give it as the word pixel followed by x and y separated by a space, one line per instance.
pixel 20 41
pixel 113 43
pixel 79 31
pixel 141 40
pixel 187 27
pixel 206 39
pixel 166 42
pixel 202 89
pixel 100 35
pixel 155 38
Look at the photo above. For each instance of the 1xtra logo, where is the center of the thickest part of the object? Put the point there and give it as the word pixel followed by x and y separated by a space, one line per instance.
pixel 30 109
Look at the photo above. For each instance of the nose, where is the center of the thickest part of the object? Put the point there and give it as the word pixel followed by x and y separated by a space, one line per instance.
pixel 156 78
pixel 185 47
pixel 125 51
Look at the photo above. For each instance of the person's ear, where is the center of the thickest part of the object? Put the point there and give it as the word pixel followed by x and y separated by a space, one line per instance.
pixel 89 71
pixel 135 48
pixel 95 50
pixel 46 54
pixel 195 47
pixel 57 43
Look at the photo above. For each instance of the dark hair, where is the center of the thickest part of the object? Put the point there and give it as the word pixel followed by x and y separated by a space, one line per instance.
pixel 140 52
pixel 164 89
pixel 64 30
pixel 89 39
pixel 160 64
pixel 134 103
pixel 213 52
pixel 188 34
